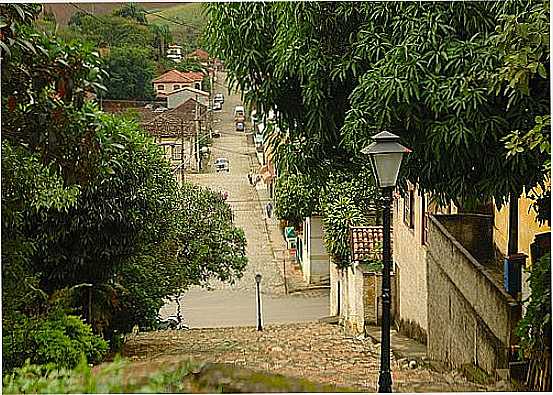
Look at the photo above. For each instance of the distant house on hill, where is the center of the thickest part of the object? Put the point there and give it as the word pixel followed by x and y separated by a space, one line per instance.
pixel 200 55
pixel 174 80
pixel 174 52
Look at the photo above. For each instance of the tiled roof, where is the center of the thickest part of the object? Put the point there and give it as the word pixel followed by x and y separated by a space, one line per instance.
pixel 179 76
pixel 194 75
pixel 365 243
pixel 190 89
pixel 179 120
pixel 200 54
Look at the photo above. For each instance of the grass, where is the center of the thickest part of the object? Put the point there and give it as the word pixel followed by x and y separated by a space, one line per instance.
pixel 188 34
pixel 186 13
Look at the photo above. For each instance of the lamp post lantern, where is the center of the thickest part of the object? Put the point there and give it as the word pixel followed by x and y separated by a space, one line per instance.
pixel 385 155
pixel 258 293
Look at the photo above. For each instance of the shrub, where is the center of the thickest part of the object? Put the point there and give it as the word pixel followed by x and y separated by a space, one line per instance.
pixel 41 379
pixel 59 339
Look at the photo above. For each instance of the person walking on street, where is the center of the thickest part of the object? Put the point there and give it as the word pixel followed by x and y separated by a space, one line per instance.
pixel 269 209
pixel 250 177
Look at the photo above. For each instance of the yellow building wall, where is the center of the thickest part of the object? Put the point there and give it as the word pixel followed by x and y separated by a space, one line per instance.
pixel 528 226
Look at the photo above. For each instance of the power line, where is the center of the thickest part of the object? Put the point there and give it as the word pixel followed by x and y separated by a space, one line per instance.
pixel 87 12
pixel 146 12
pixel 155 13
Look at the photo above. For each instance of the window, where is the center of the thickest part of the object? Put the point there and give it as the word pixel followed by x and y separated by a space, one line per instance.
pixel 198 86
pixel 177 152
pixel 424 221
pixel 175 87
pixel 409 209
pixel 161 87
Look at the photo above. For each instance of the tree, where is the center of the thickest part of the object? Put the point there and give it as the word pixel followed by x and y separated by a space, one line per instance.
pixel 161 38
pixel 130 74
pixel 295 198
pixel 523 44
pixel 91 211
pixel 210 244
pixel 534 329
pixel 347 200
pixel 44 90
pixel 434 91
pixel 371 61
pixel 283 55
pixel 132 11
pixel 113 31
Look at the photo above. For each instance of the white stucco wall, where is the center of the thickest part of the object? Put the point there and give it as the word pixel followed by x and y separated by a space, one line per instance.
pixel 315 264
pixel 177 98
pixel 410 259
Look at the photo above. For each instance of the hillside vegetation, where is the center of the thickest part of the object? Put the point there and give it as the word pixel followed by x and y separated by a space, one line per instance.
pixel 190 21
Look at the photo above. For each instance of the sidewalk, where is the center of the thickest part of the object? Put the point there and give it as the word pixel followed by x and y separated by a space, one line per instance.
pixel 288 267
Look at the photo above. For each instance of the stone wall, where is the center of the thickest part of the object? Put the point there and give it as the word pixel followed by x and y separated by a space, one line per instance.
pixel 473 231
pixel 473 318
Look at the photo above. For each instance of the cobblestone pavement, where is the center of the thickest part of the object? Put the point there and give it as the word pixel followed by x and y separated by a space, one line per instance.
pixel 316 351
pixel 224 304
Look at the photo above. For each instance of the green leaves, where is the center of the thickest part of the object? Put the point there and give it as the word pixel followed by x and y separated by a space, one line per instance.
pixel 535 328
pixel 296 197
pixel 130 74
pixel 347 200
pixel 436 91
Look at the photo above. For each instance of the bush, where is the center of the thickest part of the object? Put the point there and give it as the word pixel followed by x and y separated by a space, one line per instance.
pixel 41 379
pixel 296 197
pixel 59 339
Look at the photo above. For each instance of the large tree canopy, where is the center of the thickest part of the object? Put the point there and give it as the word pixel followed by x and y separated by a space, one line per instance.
pixel 92 217
pixel 337 73
pixel 433 87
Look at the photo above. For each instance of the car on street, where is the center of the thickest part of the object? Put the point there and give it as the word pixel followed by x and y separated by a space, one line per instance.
pixel 239 113
pixel 219 98
pixel 240 126
pixel 217 106
pixel 221 164
pixel 160 109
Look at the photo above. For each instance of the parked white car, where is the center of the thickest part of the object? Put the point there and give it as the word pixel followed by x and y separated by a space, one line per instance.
pixel 239 112
pixel 219 98
pixel 221 164
pixel 160 109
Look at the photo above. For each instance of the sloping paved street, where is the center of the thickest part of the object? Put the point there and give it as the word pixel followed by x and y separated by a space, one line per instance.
pixel 315 351
pixel 224 305
pixel 293 343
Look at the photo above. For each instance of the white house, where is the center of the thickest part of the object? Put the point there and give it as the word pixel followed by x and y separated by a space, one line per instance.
pixel 315 258
pixel 179 96
pixel 173 80
pixel 174 52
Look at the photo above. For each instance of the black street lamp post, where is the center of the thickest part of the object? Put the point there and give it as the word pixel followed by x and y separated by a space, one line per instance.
pixel 258 284
pixel 385 155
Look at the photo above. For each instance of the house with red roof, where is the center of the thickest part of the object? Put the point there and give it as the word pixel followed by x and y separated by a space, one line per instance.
pixel 174 80
pixel 199 54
